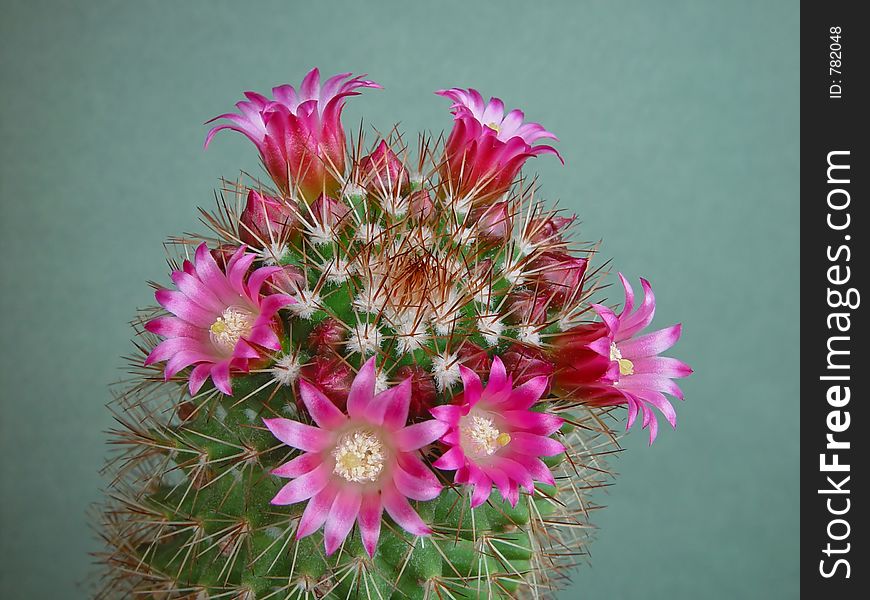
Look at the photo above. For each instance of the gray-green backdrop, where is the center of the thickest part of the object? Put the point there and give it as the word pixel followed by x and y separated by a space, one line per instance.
pixel 679 128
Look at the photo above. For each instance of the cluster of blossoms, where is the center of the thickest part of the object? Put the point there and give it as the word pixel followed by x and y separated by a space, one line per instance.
pixel 430 317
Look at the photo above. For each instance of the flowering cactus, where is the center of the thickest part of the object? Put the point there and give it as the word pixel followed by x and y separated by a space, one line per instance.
pixel 381 374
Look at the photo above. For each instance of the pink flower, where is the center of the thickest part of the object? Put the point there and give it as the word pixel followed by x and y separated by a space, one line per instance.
pixel 494 438
pixel 221 322
pixel 644 376
pixel 486 148
pixel 299 135
pixel 356 465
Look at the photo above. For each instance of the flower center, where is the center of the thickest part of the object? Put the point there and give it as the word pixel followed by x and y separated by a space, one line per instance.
pixel 482 436
pixel 234 323
pixel 359 456
pixel 626 367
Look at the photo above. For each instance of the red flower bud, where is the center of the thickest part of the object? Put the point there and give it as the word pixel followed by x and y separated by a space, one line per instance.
pixel 547 230
pixel 420 206
pixel 560 274
pixel 474 357
pixel 528 307
pixel 326 336
pixel 424 394
pixel 329 214
pixel 382 173
pixel 332 376
pixel 525 363
pixel 222 254
pixel 494 223
pixel 264 221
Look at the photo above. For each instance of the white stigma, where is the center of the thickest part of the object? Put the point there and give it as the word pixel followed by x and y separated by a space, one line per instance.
pixel 481 436
pixel 365 339
pixel 359 456
pixel 491 328
pixel 286 369
pixel 234 323
pixel 445 370
pixel 307 303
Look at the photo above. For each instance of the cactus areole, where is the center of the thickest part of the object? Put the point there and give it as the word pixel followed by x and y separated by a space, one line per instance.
pixel 386 371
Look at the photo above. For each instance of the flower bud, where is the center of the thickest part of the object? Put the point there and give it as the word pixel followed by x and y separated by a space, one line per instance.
pixel 560 274
pixel 382 173
pixel 424 394
pixel 264 221
pixel 546 230
pixel 526 307
pixel 494 223
pixel 525 363
pixel 474 357
pixel 326 336
pixel 332 376
pixel 420 206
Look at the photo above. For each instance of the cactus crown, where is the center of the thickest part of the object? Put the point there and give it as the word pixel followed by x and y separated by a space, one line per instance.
pixel 448 283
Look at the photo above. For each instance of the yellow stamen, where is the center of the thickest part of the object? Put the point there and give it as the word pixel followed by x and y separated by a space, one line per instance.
pixel 234 323
pixel 626 367
pixel 503 439
pixel 494 127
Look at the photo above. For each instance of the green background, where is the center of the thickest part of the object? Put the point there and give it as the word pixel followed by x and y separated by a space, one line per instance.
pixel 679 128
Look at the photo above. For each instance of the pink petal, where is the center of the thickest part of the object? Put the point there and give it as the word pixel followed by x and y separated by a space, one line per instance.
pixel 220 375
pixel 449 413
pixel 304 487
pixel 515 471
pixel 297 435
pixel 298 466
pixel 369 520
pixel 651 344
pixel 535 445
pixel 533 422
pixel 182 307
pixel 342 515
pixel 536 468
pixel 497 376
pixel 316 512
pixel 662 365
pixel 525 395
pixel 362 390
pixel 472 387
pixel 418 435
pixel 391 406
pixel 414 480
pixel 482 486
pixel 450 460
pixel 398 508
pixel 197 377
pixel 324 412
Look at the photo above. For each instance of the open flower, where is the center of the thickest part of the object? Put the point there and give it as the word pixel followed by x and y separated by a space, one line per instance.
pixel 486 148
pixel 644 376
pixel 221 322
pixel 299 134
pixel 494 438
pixel 356 465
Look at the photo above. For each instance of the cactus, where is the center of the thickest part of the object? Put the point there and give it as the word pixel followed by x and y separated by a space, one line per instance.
pixel 432 280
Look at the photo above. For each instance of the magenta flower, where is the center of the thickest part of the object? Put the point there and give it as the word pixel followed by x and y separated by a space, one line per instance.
pixel 356 465
pixel 644 376
pixel 486 148
pixel 221 322
pixel 299 135
pixel 494 438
